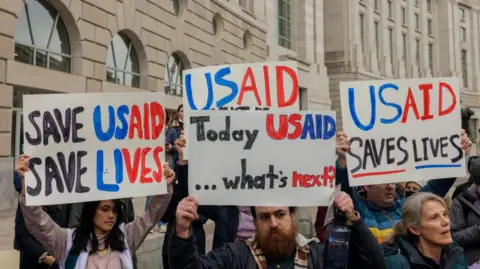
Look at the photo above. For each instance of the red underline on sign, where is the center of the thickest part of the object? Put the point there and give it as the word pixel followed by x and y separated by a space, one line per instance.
pixel 380 173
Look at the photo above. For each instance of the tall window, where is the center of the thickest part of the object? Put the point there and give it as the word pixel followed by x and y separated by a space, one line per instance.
pixel 376 5
pixel 429 5
pixel 173 82
pixel 404 16
pixel 417 54
pixel 377 40
pixel 284 23
pixel 362 32
pixel 417 3
pixel 390 39
pixel 417 22
pixel 464 68
pixel 404 48
pixel 122 62
pixel 463 34
pixel 462 14
pixel 390 9
pixel 430 58
pixel 41 38
pixel 429 26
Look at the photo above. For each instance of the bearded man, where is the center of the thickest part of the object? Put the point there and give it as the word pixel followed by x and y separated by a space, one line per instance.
pixel 276 243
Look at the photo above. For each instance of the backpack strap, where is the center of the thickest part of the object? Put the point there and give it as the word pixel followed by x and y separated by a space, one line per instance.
pixel 466 204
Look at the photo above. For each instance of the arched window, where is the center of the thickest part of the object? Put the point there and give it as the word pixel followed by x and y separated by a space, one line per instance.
pixel 174 76
pixel 122 62
pixel 41 38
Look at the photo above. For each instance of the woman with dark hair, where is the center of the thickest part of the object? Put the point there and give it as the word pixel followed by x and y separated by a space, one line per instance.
pixel 422 238
pixel 102 239
pixel 173 133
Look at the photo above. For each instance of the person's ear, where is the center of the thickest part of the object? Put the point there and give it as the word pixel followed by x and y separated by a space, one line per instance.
pixel 414 230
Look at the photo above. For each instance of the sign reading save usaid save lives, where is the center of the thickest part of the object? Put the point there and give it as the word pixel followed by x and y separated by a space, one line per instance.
pixel 402 130
pixel 87 147
pixel 253 86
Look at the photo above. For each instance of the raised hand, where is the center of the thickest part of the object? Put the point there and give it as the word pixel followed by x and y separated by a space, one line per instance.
pixel 168 174
pixel 465 142
pixel 343 202
pixel 342 145
pixel 185 215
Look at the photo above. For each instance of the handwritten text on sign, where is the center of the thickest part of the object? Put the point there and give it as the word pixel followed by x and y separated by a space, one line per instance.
pixel 262 158
pixel 257 86
pixel 402 130
pixel 93 147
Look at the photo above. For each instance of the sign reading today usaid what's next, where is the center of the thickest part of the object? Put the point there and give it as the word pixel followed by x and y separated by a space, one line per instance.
pixel 87 147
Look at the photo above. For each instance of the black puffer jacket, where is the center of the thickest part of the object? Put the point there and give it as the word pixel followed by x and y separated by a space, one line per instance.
pixel 364 253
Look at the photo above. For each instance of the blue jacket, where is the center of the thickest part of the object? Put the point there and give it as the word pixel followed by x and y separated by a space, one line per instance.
pixel 403 255
pixel 173 133
pixel 380 221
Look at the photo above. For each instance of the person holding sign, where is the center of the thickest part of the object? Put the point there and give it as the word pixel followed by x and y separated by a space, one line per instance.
pixel 276 243
pixel 379 208
pixel 102 240
pixel 422 239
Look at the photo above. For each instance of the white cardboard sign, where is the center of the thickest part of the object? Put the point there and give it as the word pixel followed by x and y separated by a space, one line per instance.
pixel 87 147
pixel 261 158
pixel 250 86
pixel 402 130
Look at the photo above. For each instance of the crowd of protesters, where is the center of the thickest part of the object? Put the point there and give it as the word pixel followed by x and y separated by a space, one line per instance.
pixel 392 226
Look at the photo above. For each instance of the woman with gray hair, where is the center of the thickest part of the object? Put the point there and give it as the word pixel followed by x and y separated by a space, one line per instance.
pixel 422 238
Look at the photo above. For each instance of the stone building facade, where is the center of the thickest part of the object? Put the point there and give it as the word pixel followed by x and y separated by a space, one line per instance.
pixel 381 39
pixel 91 46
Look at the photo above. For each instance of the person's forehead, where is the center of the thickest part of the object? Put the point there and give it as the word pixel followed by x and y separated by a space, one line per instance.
pixel 270 209
pixel 433 207
pixel 107 203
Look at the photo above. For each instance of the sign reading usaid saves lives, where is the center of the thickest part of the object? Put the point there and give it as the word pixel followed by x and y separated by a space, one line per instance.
pixel 402 130
pixel 262 158
pixel 87 147
pixel 252 86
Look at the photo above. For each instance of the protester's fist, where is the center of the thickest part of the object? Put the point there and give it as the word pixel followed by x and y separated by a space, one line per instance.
pixel 342 145
pixel 465 142
pixel 186 214
pixel 343 202
pixel 168 173
pixel 21 166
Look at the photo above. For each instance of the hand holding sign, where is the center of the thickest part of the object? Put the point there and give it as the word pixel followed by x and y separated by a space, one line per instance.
pixel 343 202
pixel 168 174
pixel 180 144
pixel 465 142
pixel 21 167
pixel 342 145
pixel 186 214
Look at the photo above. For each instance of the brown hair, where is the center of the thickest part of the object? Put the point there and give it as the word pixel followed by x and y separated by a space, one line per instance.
pixel 412 216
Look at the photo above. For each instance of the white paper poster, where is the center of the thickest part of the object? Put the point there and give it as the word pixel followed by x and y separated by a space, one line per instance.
pixel 87 147
pixel 262 158
pixel 402 130
pixel 251 86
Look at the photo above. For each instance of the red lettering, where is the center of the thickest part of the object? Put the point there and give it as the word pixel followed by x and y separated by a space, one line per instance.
pixel 157 116
pixel 146 122
pixel 426 88
pixel 157 175
pixel 132 168
pixel 297 179
pixel 252 87
pixel 144 178
pixel 135 123
pixel 410 103
pixel 450 109
pixel 329 174
pixel 294 120
pixel 306 181
pixel 281 87
pixel 266 77
pixel 282 130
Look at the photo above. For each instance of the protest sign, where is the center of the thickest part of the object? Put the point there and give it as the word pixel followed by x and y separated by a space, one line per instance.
pixel 252 86
pixel 87 147
pixel 402 130
pixel 262 158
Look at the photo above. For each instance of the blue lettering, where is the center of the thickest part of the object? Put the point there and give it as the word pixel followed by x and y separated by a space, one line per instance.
pixel 353 112
pixel 329 121
pixel 118 157
pixel 308 127
pixel 396 106
pixel 318 124
pixel 101 186
pixel 188 91
pixel 227 83
pixel 121 132
pixel 97 123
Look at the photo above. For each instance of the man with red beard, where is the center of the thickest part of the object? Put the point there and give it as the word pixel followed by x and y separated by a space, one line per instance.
pixel 276 243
